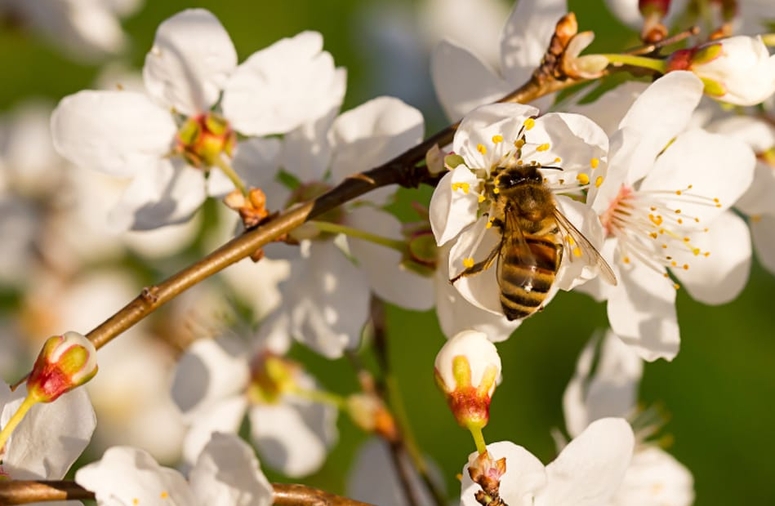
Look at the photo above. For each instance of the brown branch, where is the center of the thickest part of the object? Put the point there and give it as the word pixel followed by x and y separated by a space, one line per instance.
pixel 25 492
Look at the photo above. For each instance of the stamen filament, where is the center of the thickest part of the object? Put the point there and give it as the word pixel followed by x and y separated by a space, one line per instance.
pixel 336 228
pixel 322 397
pixel 17 417
pixel 231 174
pixel 637 61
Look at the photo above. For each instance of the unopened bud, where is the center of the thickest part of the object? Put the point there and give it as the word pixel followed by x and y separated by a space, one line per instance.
pixel 737 70
pixel 64 362
pixel 582 67
pixel 468 368
pixel 370 414
pixel 652 7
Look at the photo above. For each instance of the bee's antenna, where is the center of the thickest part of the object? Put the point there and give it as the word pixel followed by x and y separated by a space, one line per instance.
pixel 550 167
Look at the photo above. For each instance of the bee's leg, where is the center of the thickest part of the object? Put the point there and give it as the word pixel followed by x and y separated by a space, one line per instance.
pixel 479 266
pixel 560 249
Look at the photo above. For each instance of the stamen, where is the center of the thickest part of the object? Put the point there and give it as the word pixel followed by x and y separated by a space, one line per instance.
pixel 582 178
pixel 468 262
pixel 464 187
pixel 529 123
pixel 594 163
pixel 543 147
pixel 497 139
pixel 481 148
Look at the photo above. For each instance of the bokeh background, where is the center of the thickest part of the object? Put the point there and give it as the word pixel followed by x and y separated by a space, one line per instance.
pixel 719 391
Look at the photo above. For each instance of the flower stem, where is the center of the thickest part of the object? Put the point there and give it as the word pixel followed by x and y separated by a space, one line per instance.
pixel 476 432
pixel 336 228
pixel 17 417
pixel 638 61
pixel 231 174
pixel 322 397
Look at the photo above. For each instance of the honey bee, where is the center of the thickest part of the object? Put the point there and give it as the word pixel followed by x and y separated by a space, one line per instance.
pixel 534 236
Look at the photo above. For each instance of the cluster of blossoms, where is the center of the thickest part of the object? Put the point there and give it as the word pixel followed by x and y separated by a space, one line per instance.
pixel 650 188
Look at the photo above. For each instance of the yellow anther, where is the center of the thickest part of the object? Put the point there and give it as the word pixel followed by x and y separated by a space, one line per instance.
pixel 706 254
pixel 464 187
pixel 497 138
pixel 626 260
pixel 481 148
pixel 496 190
pixel 529 123
pixel 686 267
pixel 664 246
pixel 468 262
pixel 481 198
pixel 755 218
pixel 594 163
pixel 571 241
pixel 687 239
pixel 583 178
pixel 557 160
pixel 696 251
pixel 696 220
pixel 673 263
pixel 164 494
pixel 676 286
pixel 653 208
pixel 543 147
pixel 680 221
pixel 489 224
pixel 653 235
pixel 665 275
pixel 598 181
pixel 677 211
pixel 656 220
pixel 135 501
pixel 577 252
pixel 519 143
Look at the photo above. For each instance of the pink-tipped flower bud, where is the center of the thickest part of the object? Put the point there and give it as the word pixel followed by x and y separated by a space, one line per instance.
pixel 737 70
pixel 468 368
pixel 64 362
pixel 370 414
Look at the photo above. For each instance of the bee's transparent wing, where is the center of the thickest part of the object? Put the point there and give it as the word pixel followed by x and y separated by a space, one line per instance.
pixel 579 248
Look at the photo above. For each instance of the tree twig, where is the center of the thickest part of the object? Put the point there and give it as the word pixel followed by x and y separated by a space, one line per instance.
pixel 25 492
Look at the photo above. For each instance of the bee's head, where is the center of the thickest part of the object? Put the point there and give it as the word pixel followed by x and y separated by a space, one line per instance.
pixel 509 177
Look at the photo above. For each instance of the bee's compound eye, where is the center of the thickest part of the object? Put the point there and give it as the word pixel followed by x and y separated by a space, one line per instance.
pixel 536 178
pixel 510 180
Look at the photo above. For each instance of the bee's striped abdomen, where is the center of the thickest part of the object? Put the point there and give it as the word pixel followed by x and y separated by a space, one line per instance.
pixel 525 287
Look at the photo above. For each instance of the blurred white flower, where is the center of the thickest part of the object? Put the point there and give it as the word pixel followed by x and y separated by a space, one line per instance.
pixel 373 477
pixel 588 471
pixel 463 81
pixel 654 478
pixel 218 382
pixel 133 135
pixel 226 472
pixel 85 30
pixel 325 300
pixel 663 206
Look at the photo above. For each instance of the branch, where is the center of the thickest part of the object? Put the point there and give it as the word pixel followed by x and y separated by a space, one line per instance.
pixel 25 492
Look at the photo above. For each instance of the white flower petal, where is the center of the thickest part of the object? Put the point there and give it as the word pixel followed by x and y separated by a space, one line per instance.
pixel 655 477
pixel 590 469
pixel 389 279
pixel 116 132
pixel 462 81
pixel 476 243
pixel 227 473
pixel 294 436
pixel 191 59
pixel 370 135
pixel 456 314
pixel 641 311
pixel 454 204
pixel 698 163
pixel 328 300
pixel 757 200
pixel 525 475
pixel 526 37
pixel 224 415
pixel 573 138
pixel 209 371
pixel 279 88
pixel 763 235
pixel 49 439
pixel 611 391
pixel 609 109
pixel 373 479
pixel 721 276
pixel 128 475
pixel 474 139
pixel 755 132
pixel 166 192
pixel 677 92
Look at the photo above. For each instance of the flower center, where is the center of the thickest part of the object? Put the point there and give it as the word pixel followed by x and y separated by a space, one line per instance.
pixel 271 377
pixel 649 227
pixel 201 139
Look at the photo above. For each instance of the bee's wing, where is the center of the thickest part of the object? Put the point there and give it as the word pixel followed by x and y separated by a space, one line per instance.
pixel 514 246
pixel 579 247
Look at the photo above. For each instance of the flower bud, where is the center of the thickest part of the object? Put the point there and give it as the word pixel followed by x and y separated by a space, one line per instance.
pixel 738 70
pixel 64 362
pixel 651 7
pixel 370 414
pixel 467 369
pixel 201 139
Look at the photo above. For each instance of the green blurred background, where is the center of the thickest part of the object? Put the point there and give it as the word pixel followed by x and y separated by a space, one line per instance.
pixel 719 390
